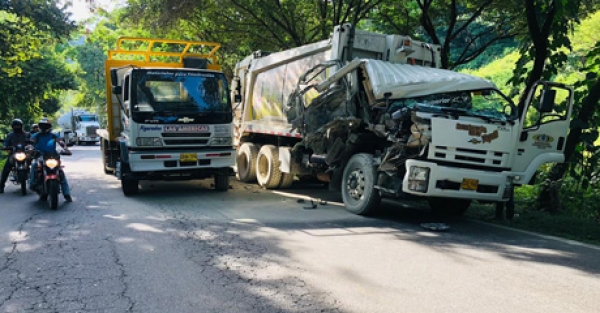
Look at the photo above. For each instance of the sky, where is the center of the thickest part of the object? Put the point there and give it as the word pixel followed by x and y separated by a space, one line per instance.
pixel 80 9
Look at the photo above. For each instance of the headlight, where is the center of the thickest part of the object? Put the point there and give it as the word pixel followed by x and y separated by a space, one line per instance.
pixel 148 141
pixel 52 163
pixel 418 178
pixel 20 156
pixel 221 141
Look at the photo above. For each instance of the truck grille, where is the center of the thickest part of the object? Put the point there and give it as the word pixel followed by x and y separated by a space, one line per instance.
pixel 469 156
pixel 90 131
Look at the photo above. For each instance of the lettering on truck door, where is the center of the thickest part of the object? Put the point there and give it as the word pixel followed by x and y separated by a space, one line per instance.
pixel 544 133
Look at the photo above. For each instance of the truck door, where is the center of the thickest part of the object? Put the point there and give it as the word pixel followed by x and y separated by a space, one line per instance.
pixel 545 121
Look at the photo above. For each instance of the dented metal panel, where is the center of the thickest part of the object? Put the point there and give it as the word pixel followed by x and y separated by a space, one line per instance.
pixel 406 81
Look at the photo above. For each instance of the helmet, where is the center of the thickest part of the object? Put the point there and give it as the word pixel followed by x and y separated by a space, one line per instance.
pixel 16 122
pixel 34 126
pixel 45 124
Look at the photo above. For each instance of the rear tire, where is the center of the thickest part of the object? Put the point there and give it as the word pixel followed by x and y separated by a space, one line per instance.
pixel 24 187
pixel 268 173
pixel 286 180
pixel 358 185
pixel 449 206
pixel 246 162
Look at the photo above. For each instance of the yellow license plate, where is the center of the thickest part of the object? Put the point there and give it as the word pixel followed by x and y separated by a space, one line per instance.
pixel 188 157
pixel 469 184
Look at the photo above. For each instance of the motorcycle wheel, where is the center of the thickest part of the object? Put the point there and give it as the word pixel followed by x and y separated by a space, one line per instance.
pixel 23 179
pixel 53 194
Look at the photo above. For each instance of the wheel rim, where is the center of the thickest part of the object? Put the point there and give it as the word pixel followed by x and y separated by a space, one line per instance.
pixel 355 184
pixel 263 166
pixel 243 162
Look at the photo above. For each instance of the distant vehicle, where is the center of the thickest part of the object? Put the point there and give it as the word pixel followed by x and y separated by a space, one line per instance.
pixel 79 127
pixel 374 116
pixel 169 119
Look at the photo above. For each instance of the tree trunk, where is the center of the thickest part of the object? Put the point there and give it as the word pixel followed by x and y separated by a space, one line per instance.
pixel 548 198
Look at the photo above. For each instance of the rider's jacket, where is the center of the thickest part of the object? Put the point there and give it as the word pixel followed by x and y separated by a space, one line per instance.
pixel 15 138
pixel 45 142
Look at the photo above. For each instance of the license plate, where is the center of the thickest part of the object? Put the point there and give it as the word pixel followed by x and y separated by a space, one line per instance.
pixel 469 184
pixel 188 157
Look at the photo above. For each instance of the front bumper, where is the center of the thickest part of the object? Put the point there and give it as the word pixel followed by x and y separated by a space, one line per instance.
pixel 447 182
pixel 89 139
pixel 164 161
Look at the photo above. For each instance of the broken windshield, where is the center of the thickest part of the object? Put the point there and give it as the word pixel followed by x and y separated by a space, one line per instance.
pixel 487 104
pixel 175 96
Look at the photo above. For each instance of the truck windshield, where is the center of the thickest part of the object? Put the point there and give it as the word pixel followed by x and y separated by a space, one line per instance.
pixel 488 104
pixel 87 118
pixel 179 96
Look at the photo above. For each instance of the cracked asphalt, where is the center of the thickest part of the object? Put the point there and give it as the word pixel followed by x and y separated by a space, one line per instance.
pixel 183 247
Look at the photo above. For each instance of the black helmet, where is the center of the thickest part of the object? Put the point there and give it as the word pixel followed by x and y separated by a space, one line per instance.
pixel 45 124
pixel 16 122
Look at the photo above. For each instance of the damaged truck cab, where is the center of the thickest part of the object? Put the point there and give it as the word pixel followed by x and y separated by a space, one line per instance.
pixel 373 115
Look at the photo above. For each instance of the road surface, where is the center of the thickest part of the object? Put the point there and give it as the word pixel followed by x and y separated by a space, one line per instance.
pixel 184 247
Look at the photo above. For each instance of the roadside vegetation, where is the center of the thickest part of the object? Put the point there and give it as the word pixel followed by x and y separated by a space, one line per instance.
pixel 49 64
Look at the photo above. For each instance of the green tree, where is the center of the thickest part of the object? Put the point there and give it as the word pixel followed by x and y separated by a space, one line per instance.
pixel 464 29
pixel 32 73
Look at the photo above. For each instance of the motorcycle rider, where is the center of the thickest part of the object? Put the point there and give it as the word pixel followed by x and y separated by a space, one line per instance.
pixel 45 141
pixel 17 136
pixel 34 129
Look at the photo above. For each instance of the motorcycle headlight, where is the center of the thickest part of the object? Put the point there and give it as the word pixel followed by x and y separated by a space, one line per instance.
pixel 52 163
pixel 20 156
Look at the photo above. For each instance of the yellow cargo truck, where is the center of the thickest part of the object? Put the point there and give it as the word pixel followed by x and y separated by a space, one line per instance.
pixel 169 115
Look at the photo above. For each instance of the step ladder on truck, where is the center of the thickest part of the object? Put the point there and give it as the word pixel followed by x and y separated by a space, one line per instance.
pixel 169 116
pixel 373 115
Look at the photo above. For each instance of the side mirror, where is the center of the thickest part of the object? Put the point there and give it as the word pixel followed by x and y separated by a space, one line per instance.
pixel 547 101
pixel 117 90
pixel 113 77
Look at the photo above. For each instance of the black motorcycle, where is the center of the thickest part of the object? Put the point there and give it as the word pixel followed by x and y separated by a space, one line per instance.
pixel 49 178
pixel 19 173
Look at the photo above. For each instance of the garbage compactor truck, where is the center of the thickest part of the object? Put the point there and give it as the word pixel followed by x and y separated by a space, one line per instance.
pixel 169 113
pixel 373 115
pixel 78 126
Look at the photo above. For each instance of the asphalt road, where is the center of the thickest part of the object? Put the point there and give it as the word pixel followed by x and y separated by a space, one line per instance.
pixel 183 247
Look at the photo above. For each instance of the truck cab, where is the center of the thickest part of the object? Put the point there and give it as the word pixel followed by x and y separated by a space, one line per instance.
pixel 168 121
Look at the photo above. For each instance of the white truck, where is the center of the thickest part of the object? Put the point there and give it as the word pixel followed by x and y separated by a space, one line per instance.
pixel 78 126
pixel 373 115
pixel 169 113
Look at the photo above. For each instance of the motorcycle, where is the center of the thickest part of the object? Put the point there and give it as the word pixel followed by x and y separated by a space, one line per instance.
pixel 19 173
pixel 49 178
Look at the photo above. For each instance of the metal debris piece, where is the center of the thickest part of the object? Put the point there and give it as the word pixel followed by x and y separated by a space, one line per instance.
pixel 435 226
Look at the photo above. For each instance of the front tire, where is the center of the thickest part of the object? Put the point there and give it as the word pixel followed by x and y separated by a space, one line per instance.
pixel 246 162
pixel 268 173
pixel 221 182
pixel 358 185
pixel 53 190
pixel 449 206
pixel 22 176
pixel 129 185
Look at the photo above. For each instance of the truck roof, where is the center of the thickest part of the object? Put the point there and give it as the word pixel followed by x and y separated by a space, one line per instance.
pixel 407 81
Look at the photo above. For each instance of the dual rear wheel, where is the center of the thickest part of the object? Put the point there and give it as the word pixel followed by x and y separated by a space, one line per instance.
pixel 262 165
